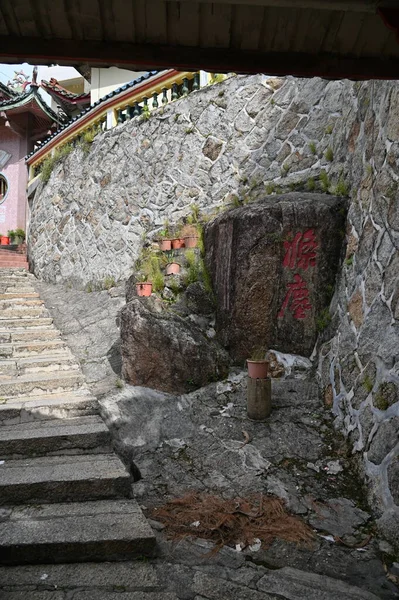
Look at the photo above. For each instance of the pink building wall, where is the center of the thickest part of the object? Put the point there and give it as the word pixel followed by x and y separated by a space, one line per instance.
pixel 13 209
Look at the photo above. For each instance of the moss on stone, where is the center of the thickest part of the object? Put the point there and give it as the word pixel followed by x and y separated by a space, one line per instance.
pixel 386 396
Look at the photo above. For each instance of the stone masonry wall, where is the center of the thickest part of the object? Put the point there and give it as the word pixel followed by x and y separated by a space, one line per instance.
pixel 217 146
pixel 229 144
pixel 359 366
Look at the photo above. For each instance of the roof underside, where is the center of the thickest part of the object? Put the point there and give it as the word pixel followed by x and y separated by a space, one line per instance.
pixel 331 38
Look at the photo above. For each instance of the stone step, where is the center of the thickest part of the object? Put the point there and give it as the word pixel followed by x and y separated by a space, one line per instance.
pixel 13 262
pixel 17 302
pixel 21 323
pixel 21 349
pixel 15 289
pixel 34 365
pixel 11 275
pixel 35 334
pixel 79 435
pixel 19 296
pixel 62 478
pixel 65 405
pixel 88 531
pixel 76 478
pixel 23 312
pixel 102 579
pixel 36 384
pixel 9 280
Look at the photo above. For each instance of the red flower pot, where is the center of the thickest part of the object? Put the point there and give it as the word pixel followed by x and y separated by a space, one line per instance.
pixel 177 243
pixel 191 241
pixel 4 240
pixel 165 245
pixel 258 369
pixel 172 269
pixel 144 288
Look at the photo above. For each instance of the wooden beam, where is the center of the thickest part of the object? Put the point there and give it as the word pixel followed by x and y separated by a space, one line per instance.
pixel 369 6
pixel 188 58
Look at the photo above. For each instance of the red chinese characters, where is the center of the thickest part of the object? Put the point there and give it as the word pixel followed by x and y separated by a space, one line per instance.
pixel 297 299
pixel 300 253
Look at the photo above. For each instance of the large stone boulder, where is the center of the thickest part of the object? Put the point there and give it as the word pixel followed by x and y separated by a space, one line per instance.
pixel 163 351
pixel 273 265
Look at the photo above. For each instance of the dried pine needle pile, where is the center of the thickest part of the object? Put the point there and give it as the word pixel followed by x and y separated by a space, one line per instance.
pixel 231 522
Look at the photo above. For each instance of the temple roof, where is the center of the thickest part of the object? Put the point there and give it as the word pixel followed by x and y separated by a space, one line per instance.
pixel 6 93
pixel 67 100
pixel 41 117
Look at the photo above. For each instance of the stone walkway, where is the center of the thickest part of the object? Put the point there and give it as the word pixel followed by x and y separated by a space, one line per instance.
pixel 64 494
pixel 196 441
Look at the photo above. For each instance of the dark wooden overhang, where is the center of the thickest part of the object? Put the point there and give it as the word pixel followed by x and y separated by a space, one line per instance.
pixel 331 38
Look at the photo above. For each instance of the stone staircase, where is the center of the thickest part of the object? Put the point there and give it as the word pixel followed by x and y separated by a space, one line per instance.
pixel 64 494
pixel 15 258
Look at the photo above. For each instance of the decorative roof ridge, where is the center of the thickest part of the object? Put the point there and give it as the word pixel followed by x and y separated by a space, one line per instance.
pixel 56 87
pixel 7 90
pixel 33 93
pixel 84 112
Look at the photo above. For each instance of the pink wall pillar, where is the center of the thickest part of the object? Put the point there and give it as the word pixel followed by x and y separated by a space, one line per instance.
pixel 13 208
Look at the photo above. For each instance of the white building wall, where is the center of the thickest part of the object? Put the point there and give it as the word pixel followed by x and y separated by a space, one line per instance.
pixel 104 81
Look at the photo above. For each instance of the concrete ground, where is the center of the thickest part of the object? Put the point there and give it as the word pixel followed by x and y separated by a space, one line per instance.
pixel 204 441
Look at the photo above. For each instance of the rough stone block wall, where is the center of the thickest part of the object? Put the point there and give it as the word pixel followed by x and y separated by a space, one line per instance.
pixel 231 143
pixel 217 146
pixel 359 366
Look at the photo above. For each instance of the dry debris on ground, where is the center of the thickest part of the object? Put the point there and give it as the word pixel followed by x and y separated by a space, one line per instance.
pixel 239 521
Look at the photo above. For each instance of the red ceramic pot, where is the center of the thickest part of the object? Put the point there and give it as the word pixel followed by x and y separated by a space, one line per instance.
pixel 177 243
pixel 258 369
pixel 165 245
pixel 144 288
pixel 4 240
pixel 191 241
pixel 172 269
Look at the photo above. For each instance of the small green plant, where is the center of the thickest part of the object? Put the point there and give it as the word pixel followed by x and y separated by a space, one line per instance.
pixel 158 281
pixel 324 180
pixel 329 155
pixel 257 353
pixel 20 233
pixel 270 188
pixel 329 129
pixel 195 213
pixel 368 384
pixel 88 136
pixel 217 78
pixel 323 319
pixel 51 160
pixel 312 147
pixel 341 189
pixel 349 261
pixel 272 101
pixel 310 184
pixel 190 130
pixel 191 257
pixel 145 113
pixel 119 384
pixel 165 232
pixel 174 286
pixel 369 169
pixel 109 282
pixel 11 235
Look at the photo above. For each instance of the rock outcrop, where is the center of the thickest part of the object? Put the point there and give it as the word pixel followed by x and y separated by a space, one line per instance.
pixel 163 351
pixel 273 265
